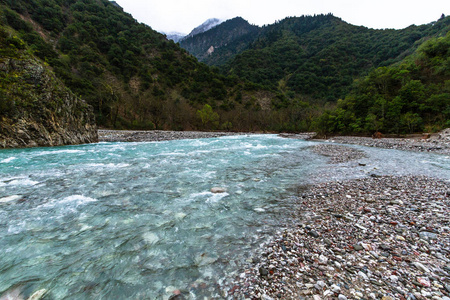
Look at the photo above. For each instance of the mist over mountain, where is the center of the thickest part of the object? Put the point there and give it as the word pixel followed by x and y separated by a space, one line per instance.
pixel 205 26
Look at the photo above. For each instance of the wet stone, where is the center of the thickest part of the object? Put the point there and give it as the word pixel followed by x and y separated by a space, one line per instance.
pixel 358 247
pixel 263 271
pixel 313 234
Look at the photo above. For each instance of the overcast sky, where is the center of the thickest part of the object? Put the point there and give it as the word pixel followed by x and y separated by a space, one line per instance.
pixel 184 15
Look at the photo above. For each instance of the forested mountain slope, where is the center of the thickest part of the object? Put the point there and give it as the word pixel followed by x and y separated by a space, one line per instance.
pixel 280 77
pixel 410 96
pixel 132 76
pixel 320 56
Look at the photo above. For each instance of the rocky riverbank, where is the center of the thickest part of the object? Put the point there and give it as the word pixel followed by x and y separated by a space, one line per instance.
pixel 437 143
pixel 372 238
pixel 106 135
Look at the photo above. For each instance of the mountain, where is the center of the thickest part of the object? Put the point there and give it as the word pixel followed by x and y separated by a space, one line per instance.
pixel 207 25
pixel 410 96
pixel 229 38
pixel 131 75
pixel 175 36
pixel 320 56
pixel 36 109
pixel 317 57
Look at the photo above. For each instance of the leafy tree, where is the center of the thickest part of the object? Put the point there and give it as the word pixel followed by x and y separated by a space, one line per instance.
pixel 208 118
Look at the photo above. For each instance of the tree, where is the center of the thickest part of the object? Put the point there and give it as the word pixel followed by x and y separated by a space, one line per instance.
pixel 209 118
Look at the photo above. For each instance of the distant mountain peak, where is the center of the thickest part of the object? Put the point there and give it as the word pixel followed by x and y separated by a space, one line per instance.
pixel 174 36
pixel 207 25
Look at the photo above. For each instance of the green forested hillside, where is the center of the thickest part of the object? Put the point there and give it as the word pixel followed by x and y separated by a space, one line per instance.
pixel 411 96
pixel 320 56
pixel 130 74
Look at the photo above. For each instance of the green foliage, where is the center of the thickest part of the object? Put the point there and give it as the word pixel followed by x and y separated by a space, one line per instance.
pixel 319 56
pixel 208 118
pixel 12 19
pixel 7 105
pixel 402 98
pixel 129 73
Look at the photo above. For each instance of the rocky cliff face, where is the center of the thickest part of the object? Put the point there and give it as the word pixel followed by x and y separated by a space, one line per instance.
pixel 36 109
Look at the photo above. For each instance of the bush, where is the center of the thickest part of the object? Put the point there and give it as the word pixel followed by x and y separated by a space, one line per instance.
pixel 7 105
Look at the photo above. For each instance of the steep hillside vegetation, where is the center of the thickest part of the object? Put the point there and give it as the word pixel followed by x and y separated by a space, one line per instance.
pixel 36 109
pixel 320 56
pixel 221 43
pixel 132 76
pixel 410 96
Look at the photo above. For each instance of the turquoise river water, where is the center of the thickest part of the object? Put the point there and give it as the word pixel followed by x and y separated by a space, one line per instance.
pixel 138 220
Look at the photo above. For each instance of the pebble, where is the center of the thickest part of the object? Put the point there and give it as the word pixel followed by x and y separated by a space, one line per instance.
pixel 421 267
pixel 218 190
pixel 358 247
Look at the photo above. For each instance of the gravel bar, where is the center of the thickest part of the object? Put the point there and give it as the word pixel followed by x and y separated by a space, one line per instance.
pixel 372 238
pixel 105 135
pixel 437 144
pixel 337 153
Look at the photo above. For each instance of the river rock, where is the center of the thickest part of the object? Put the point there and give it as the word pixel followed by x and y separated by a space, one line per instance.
pixel 9 199
pixel 218 190
pixel 38 295
pixel 427 235
pixel 396 263
pixel 263 271
pixel 358 247
pixel 421 267
pixel 13 294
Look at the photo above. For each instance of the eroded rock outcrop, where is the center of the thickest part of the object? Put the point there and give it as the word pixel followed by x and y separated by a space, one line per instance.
pixel 36 109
